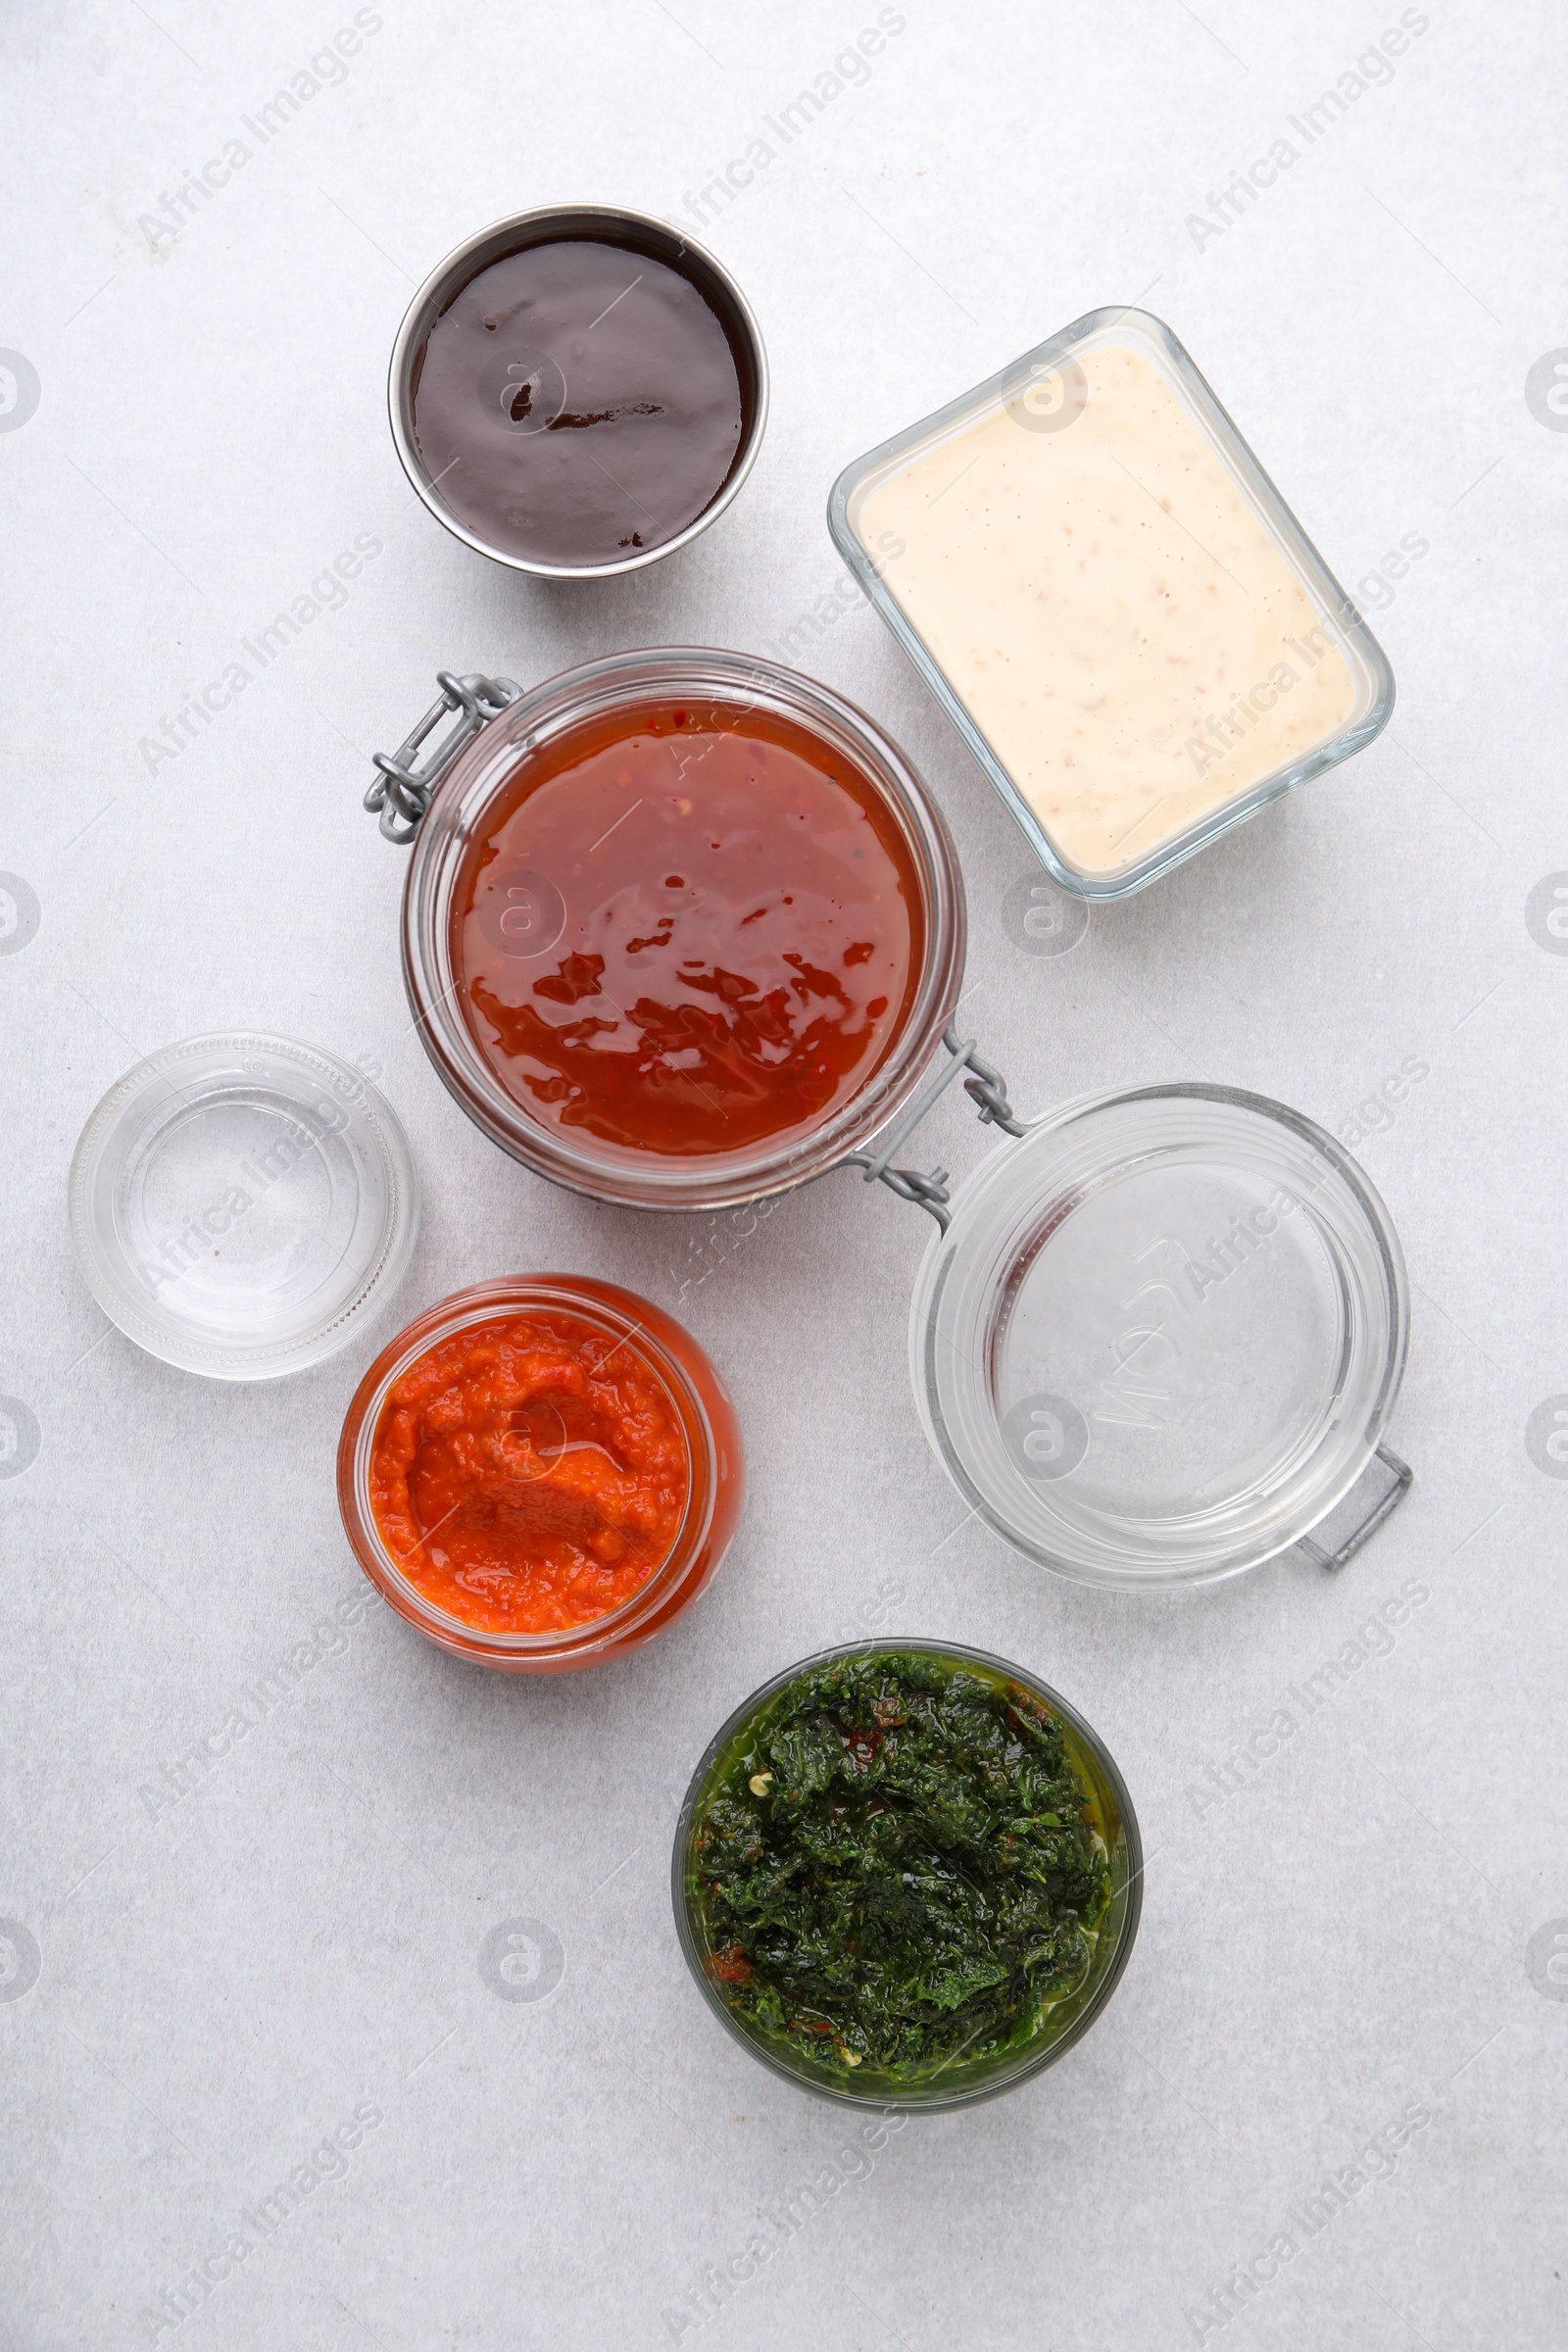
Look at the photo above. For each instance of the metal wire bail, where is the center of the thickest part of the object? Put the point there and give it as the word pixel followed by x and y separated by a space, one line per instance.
pixel 402 792
pixel 986 1090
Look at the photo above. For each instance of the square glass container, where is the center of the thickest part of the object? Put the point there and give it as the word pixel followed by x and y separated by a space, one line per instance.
pixel 1111 602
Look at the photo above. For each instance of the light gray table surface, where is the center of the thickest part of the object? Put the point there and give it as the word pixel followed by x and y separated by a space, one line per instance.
pixel 194 1994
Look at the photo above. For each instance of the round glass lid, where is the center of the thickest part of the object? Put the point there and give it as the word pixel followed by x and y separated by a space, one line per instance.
pixel 1163 1334
pixel 242 1206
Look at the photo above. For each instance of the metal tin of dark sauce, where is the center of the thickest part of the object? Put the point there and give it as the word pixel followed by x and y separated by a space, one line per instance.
pixel 579 396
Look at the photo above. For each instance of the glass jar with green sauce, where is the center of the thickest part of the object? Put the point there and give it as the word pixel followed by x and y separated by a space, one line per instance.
pixel 906 1874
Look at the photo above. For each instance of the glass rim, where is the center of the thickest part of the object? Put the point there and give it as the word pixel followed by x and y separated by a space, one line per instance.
pixel 1029 2061
pixel 1338 610
pixel 644 1180
pixel 491 1302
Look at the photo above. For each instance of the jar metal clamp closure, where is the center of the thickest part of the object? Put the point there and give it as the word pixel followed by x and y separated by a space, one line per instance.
pixel 984 1087
pixel 403 792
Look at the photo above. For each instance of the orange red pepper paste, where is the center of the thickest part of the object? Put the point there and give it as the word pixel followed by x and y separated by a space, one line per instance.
pixel 528 1474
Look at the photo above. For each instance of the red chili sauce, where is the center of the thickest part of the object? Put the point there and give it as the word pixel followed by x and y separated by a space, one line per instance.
pixel 528 1474
pixel 687 931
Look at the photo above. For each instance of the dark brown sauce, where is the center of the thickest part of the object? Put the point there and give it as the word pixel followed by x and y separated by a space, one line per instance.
pixel 578 402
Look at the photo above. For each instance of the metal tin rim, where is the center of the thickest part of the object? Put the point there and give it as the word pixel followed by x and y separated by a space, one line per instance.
pixel 458 265
pixel 1028 2067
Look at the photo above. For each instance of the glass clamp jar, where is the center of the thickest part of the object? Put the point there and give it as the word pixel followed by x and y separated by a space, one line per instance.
pixel 1157 1336
pixel 437 801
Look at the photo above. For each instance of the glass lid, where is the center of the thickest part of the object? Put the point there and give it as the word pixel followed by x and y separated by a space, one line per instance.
pixel 1163 1334
pixel 1005 539
pixel 242 1206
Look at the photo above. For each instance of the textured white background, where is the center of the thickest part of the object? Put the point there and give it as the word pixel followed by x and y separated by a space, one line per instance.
pixel 1349 1932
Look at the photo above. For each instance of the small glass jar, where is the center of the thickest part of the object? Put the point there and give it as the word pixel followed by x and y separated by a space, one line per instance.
pixel 698 1401
pixel 243 1205
pixel 963 2083
pixel 457 810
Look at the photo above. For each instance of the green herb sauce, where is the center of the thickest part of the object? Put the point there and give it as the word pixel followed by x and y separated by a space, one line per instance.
pixel 898 1865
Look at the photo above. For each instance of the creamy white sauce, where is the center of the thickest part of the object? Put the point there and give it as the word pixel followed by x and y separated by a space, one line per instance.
pixel 1120 622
